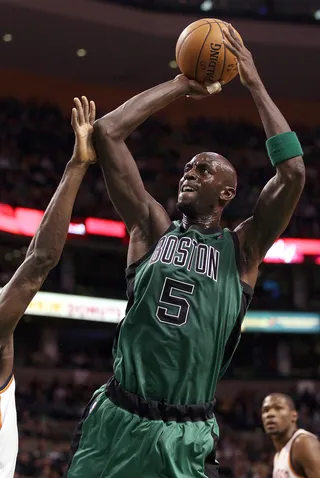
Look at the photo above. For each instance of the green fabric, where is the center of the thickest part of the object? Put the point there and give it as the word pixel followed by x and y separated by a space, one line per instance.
pixel 283 147
pixel 118 444
pixel 177 352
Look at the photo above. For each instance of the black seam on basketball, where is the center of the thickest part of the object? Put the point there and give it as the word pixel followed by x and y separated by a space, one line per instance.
pixel 224 50
pixel 204 41
pixel 178 52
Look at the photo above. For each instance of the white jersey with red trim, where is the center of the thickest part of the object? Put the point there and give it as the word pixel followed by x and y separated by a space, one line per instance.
pixel 282 466
pixel 8 429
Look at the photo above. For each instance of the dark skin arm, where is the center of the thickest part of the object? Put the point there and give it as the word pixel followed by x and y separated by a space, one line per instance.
pixel 305 456
pixel 145 218
pixel 281 194
pixel 47 245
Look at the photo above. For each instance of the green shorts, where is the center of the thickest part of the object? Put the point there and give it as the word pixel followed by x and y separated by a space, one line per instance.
pixel 121 435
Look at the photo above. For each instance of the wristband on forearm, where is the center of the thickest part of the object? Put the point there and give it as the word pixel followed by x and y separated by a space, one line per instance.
pixel 283 147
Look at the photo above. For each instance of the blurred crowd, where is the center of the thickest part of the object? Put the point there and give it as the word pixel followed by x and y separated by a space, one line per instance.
pixel 48 413
pixel 258 356
pixel 259 9
pixel 36 141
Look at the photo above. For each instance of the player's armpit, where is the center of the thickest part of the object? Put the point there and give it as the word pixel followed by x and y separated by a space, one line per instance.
pixel 305 456
pixel 20 290
pixel 144 236
pixel 272 214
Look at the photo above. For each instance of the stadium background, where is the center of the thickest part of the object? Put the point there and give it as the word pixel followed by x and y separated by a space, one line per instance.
pixel 53 51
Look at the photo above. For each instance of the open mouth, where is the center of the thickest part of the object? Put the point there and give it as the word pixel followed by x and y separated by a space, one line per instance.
pixel 188 189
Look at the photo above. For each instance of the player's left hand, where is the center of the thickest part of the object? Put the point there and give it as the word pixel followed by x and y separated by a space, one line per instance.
pixel 82 119
pixel 193 89
pixel 247 69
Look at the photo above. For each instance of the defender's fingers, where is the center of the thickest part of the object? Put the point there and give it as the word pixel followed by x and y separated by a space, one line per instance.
pixel 92 116
pixel 74 117
pixel 85 106
pixel 78 105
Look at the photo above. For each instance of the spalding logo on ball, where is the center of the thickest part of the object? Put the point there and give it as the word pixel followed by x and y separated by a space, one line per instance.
pixel 202 56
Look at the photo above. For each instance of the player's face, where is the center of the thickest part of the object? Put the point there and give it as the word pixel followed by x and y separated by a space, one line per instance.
pixel 200 186
pixel 277 416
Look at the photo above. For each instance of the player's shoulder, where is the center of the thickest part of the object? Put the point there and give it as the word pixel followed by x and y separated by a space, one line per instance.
pixel 304 436
pixel 305 444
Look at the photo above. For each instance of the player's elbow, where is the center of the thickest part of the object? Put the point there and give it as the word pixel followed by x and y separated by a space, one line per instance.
pixel 299 171
pixel 293 172
pixel 45 259
pixel 108 128
pixel 298 177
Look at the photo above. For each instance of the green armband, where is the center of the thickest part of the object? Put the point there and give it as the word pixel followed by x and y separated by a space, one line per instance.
pixel 283 147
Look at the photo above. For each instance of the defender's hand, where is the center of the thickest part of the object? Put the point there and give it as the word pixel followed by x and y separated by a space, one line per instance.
pixel 195 90
pixel 82 119
pixel 249 75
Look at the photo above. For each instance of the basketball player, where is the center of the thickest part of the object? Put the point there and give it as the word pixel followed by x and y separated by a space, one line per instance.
pixel 189 286
pixel 43 254
pixel 298 451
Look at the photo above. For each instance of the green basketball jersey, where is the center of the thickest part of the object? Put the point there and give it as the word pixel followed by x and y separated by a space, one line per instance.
pixel 184 314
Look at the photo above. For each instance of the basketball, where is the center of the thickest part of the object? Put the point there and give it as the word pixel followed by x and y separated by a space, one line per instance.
pixel 201 54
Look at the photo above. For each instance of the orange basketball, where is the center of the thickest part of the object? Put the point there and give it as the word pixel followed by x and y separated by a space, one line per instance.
pixel 201 54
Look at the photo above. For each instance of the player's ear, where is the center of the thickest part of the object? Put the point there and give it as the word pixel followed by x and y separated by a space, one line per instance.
pixel 295 416
pixel 227 194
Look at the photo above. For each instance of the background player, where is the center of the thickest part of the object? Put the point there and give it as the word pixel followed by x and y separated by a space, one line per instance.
pixel 298 451
pixel 189 285
pixel 43 254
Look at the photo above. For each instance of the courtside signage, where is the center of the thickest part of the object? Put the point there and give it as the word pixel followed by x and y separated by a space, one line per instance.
pixel 65 306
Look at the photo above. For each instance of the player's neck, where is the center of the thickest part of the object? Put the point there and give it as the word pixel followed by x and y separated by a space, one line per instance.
pixel 281 441
pixel 204 222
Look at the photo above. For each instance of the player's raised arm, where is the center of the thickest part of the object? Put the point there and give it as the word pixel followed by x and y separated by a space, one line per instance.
pixel 142 215
pixel 46 246
pixel 279 197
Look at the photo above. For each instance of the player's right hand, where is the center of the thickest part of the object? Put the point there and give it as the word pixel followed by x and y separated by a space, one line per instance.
pixel 195 90
pixel 249 75
pixel 82 119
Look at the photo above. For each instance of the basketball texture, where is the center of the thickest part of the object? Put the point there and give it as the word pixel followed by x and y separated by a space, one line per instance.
pixel 201 54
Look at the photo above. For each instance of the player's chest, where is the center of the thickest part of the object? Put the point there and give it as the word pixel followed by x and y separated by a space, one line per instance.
pixel 186 255
pixel 281 466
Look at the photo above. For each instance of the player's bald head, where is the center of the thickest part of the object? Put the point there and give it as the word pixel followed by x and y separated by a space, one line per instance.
pixel 226 171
